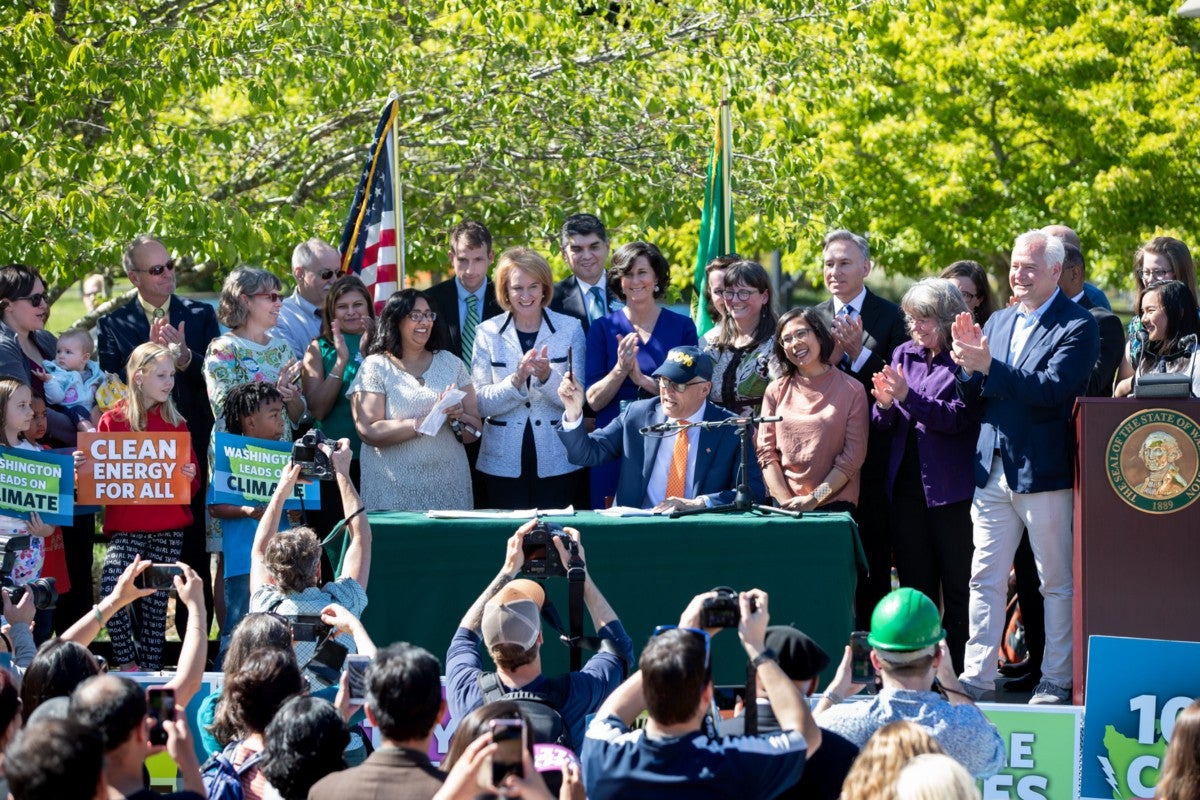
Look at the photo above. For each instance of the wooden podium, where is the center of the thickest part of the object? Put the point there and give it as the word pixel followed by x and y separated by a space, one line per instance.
pixel 1137 529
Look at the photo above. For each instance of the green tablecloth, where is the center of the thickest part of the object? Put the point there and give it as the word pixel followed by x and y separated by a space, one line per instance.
pixel 425 573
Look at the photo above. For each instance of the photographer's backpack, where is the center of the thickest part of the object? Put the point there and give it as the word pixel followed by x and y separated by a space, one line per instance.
pixel 540 708
pixel 222 780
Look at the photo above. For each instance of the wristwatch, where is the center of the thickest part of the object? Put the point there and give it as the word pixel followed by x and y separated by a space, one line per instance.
pixel 766 655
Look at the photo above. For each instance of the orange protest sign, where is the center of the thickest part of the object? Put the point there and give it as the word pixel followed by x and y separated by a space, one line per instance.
pixel 134 469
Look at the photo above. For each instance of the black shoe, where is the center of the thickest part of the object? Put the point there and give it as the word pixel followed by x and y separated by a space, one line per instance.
pixel 1016 670
pixel 1025 683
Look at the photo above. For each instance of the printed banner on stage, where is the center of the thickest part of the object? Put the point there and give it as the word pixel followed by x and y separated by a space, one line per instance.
pixel 1135 689
pixel 246 472
pixel 32 480
pixel 1043 752
pixel 135 469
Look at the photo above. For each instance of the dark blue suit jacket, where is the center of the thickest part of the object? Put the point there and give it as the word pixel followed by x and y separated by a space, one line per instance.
pixel 716 454
pixel 1027 405
pixel 125 328
pixel 568 299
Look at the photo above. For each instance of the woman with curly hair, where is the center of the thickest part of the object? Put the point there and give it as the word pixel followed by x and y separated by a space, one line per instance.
pixel 304 743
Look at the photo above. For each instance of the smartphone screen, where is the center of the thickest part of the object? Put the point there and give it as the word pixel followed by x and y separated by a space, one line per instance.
pixel 861 668
pixel 160 706
pixel 509 737
pixel 356 675
pixel 160 577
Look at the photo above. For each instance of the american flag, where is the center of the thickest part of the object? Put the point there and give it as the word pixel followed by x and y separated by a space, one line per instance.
pixel 369 242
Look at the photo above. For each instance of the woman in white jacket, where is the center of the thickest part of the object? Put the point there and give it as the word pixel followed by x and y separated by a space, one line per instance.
pixel 519 359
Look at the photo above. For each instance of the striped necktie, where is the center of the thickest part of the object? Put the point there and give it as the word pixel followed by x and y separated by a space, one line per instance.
pixel 468 329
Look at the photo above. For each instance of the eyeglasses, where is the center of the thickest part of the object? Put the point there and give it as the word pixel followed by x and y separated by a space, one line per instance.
pixel 159 269
pixel 1150 275
pixel 968 296
pixel 663 383
pixel 325 274
pixel 795 336
pixel 35 300
pixel 274 297
pixel 427 316
pixel 738 294
pixel 699 632
pixel 919 322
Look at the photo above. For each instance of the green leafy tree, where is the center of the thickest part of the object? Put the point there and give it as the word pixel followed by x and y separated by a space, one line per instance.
pixel 972 122
pixel 235 130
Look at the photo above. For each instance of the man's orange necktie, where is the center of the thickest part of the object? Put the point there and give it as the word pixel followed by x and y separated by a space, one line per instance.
pixel 677 477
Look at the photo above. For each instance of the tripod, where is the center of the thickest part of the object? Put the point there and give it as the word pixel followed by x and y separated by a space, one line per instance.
pixel 743 500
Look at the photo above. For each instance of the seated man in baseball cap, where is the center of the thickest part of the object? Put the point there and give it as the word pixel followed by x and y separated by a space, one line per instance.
pixel 507 616
pixel 919 685
pixel 663 467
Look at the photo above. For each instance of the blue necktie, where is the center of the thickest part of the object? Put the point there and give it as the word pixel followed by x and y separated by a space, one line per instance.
pixel 595 304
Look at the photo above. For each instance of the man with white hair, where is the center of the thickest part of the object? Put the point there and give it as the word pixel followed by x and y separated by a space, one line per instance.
pixel 315 265
pixel 1026 366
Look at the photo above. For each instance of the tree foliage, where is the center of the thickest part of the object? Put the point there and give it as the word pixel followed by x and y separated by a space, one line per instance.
pixel 972 122
pixel 235 130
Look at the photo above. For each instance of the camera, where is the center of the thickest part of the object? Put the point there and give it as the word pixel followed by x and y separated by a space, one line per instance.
pixel 723 611
pixel 306 628
pixel 45 592
pixel 541 556
pixel 312 458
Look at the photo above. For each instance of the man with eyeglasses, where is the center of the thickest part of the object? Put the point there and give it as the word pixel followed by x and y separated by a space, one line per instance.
pixel 673 756
pixel 187 327
pixel 315 266
pixel 664 467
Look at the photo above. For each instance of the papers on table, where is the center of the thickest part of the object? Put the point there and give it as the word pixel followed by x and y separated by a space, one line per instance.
pixel 527 513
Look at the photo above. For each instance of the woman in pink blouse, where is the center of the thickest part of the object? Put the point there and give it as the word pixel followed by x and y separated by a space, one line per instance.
pixel 812 457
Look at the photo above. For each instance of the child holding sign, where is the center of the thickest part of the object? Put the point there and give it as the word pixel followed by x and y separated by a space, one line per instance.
pixel 16 415
pixel 155 532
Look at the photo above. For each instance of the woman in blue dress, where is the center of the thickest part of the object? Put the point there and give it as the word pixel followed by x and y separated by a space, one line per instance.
pixel 625 347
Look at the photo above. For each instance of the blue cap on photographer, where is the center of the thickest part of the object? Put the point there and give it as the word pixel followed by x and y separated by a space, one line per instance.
pixel 684 364
pixel 513 616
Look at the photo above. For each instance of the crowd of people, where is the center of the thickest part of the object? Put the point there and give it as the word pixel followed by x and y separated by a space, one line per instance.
pixel 940 423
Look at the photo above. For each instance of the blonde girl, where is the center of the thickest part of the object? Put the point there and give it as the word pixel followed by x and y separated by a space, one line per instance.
pixel 153 532
pixel 16 415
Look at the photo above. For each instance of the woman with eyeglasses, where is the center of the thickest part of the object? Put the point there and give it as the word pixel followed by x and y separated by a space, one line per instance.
pixel 972 283
pixel 24 341
pixel 407 371
pixel 743 353
pixel 930 474
pixel 1163 258
pixel 520 358
pixel 249 306
pixel 812 458
pixel 625 347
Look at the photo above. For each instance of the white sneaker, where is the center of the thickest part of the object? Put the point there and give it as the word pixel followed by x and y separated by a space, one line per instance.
pixel 1049 694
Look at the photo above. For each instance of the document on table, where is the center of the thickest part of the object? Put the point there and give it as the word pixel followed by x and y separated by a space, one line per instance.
pixel 526 513
pixel 628 511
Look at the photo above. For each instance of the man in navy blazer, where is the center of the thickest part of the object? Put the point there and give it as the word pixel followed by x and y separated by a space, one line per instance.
pixel 1027 366
pixel 584 293
pixel 710 474
pixel 187 326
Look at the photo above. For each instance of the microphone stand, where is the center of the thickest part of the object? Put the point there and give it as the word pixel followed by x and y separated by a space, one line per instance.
pixel 743 501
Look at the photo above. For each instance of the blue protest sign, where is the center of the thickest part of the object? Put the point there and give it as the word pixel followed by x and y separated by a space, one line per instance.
pixel 246 472
pixel 33 480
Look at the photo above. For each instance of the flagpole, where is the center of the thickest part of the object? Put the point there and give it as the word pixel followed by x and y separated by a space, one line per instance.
pixel 398 198
pixel 726 177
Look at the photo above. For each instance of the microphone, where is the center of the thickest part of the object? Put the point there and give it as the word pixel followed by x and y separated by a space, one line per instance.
pixel 659 428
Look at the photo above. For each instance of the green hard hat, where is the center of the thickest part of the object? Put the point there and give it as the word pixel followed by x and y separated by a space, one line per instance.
pixel 905 620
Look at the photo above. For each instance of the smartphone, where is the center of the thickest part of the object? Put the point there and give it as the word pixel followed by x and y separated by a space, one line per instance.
pixel 160 706
pixel 356 673
pixel 160 577
pixel 509 738
pixel 861 668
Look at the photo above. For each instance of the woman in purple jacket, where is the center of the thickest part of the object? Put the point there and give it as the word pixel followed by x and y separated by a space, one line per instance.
pixel 931 477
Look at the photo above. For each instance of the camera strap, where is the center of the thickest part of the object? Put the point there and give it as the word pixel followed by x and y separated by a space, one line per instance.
pixel 573 636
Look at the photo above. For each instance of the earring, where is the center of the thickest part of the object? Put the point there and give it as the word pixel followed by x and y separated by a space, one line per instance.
pixel 656 287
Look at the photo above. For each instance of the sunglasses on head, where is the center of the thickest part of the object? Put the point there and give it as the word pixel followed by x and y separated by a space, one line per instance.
pixel 35 299
pixel 703 634
pixel 159 269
